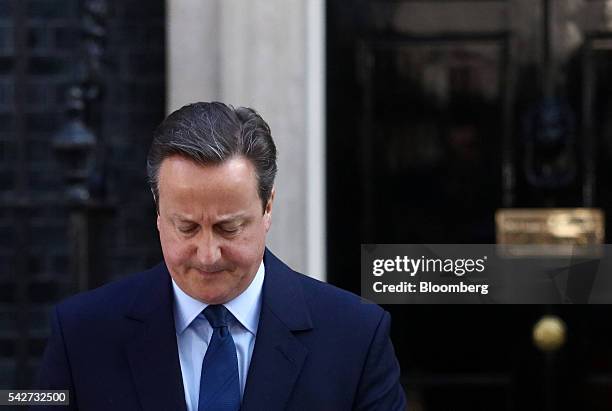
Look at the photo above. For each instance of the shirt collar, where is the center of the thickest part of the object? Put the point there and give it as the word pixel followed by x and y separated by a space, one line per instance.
pixel 244 307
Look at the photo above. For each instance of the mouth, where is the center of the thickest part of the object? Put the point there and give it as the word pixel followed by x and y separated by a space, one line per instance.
pixel 208 274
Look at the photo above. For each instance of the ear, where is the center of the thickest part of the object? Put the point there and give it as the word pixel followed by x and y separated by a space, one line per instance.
pixel 155 201
pixel 156 208
pixel 267 216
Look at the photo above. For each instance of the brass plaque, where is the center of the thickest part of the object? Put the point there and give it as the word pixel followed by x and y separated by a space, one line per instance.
pixel 556 231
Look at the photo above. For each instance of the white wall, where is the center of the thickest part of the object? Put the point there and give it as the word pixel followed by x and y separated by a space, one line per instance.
pixel 267 55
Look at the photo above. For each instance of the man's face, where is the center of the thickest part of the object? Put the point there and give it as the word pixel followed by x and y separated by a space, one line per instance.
pixel 211 226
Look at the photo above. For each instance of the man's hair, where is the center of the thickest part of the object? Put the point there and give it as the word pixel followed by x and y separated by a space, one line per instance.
pixel 211 133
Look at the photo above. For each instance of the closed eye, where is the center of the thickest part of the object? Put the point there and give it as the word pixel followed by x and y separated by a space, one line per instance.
pixel 229 230
pixel 188 229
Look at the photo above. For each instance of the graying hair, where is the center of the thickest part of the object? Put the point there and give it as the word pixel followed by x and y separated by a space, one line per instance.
pixel 210 133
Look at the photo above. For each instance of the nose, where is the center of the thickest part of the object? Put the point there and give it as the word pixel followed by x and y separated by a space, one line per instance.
pixel 208 252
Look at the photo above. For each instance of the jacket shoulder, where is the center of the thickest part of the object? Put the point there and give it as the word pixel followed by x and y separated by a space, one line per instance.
pixel 333 303
pixel 113 298
pixel 328 305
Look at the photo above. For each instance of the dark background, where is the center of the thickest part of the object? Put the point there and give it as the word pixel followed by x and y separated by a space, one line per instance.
pixel 35 264
pixel 422 164
pixel 404 166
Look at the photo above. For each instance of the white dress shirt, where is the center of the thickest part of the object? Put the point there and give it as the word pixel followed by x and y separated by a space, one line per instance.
pixel 193 333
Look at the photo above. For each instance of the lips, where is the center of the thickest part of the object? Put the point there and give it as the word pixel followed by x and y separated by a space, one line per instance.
pixel 209 273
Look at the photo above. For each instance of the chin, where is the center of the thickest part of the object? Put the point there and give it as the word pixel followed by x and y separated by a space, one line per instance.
pixel 214 300
pixel 209 294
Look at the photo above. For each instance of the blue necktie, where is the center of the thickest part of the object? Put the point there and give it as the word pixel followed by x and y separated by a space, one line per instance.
pixel 219 383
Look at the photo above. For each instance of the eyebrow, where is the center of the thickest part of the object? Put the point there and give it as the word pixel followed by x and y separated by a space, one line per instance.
pixel 224 220
pixel 233 218
pixel 184 219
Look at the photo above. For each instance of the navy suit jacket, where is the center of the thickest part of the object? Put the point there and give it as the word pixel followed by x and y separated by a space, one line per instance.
pixel 317 348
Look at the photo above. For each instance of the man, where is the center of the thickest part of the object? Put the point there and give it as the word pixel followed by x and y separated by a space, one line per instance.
pixel 221 324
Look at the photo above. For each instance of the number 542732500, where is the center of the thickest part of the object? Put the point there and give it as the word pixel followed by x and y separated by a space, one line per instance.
pixel 34 397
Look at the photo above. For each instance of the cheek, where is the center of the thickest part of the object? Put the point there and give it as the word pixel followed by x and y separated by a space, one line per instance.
pixel 174 252
pixel 247 249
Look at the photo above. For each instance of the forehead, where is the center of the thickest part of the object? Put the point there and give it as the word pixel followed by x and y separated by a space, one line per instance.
pixel 187 187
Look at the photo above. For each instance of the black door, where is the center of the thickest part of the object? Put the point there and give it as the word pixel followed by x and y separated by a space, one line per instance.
pixel 439 114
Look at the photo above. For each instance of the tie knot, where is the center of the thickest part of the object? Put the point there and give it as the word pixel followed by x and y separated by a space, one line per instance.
pixel 217 315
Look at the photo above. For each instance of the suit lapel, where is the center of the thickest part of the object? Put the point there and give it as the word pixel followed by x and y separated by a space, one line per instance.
pixel 153 353
pixel 278 355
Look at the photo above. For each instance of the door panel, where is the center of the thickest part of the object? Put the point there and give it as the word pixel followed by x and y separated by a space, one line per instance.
pixel 437 117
